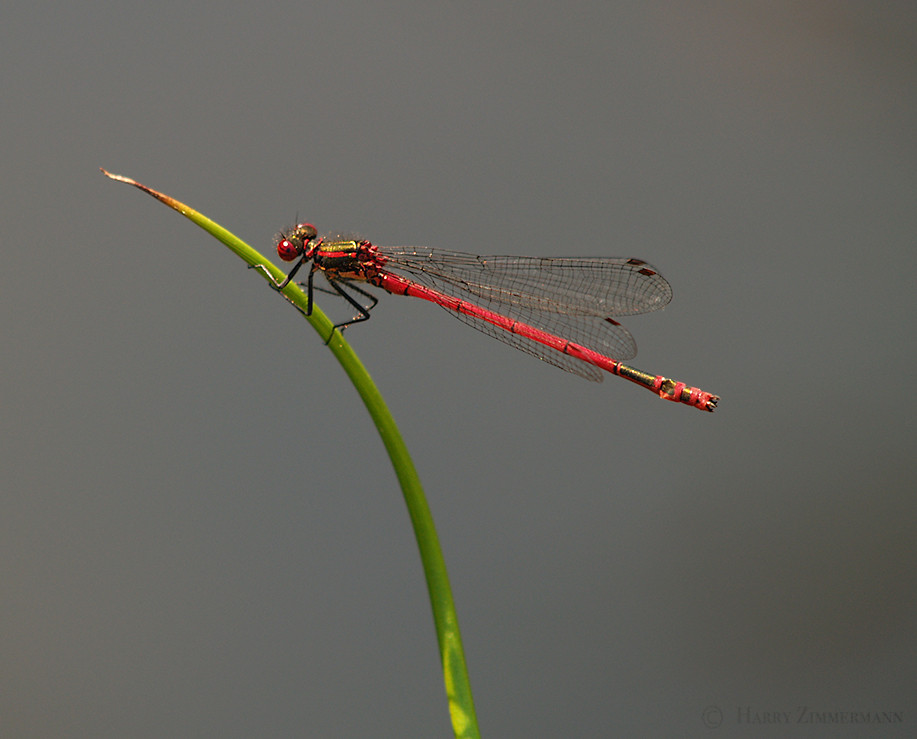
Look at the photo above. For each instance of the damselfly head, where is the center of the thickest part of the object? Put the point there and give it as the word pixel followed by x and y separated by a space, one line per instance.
pixel 292 244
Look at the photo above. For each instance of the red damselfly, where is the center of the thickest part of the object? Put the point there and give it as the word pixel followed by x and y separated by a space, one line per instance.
pixel 557 309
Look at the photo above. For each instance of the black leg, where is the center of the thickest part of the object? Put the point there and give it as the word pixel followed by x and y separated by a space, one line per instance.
pixel 362 310
pixel 338 288
pixel 279 285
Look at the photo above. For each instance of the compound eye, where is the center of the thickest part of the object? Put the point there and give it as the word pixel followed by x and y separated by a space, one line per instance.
pixel 306 231
pixel 287 250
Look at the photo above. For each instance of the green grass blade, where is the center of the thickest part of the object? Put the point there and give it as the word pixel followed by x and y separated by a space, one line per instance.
pixel 455 671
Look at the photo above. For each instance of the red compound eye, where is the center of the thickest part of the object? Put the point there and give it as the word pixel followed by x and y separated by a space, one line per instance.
pixel 288 251
pixel 293 243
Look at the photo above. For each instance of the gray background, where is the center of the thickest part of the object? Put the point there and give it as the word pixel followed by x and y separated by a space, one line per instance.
pixel 200 532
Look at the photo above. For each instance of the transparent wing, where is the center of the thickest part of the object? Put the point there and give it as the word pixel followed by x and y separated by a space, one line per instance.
pixel 588 286
pixel 570 298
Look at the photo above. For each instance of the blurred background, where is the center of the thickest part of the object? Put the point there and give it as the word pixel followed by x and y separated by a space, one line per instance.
pixel 201 534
